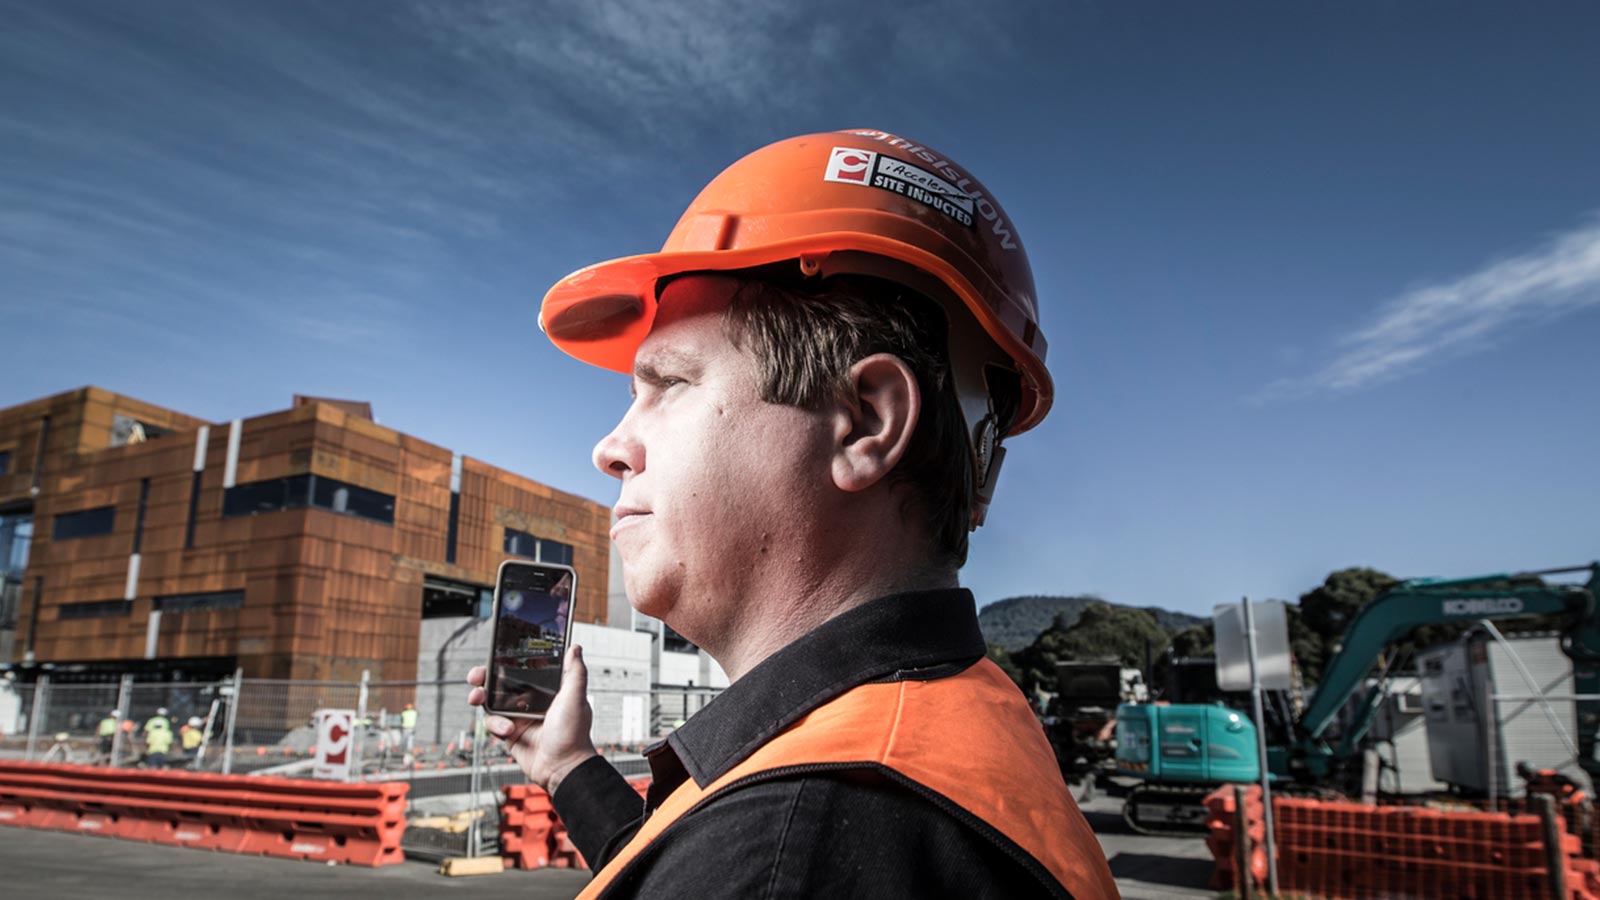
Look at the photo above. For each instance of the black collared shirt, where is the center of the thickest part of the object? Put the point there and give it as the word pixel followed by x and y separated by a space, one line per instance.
pixel 855 833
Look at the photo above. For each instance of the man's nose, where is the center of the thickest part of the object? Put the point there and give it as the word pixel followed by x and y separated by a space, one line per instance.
pixel 618 453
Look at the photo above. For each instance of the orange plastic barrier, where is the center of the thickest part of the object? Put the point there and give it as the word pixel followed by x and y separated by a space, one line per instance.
pixel 1338 849
pixel 531 835
pixel 356 824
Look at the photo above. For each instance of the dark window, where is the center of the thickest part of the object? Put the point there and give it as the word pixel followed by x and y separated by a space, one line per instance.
pixel 128 430
pixel 443 598
pixel 178 603
pixel 95 610
pixel 454 529
pixel 521 543
pixel 266 496
pixel 16 536
pixel 194 509
pixel 299 491
pixel 555 552
pixel 85 523
pixel 5 461
pixel 336 496
pixel 10 600
pixel 674 642
pixel 138 520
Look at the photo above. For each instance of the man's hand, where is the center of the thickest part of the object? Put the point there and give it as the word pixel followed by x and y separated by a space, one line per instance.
pixel 547 750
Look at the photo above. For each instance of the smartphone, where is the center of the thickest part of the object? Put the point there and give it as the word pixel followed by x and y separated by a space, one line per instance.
pixel 532 625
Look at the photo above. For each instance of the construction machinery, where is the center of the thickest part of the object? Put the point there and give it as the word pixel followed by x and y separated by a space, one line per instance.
pixel 1181 751
pixel 1080 718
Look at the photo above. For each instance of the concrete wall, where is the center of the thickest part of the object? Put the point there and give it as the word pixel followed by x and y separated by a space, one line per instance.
pixel 447 648
pixel 10 708
pixel 619 682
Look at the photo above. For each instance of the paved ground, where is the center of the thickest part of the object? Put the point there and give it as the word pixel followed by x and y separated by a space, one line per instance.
pixel 53 864
pixel 49 864
pixel 1148 868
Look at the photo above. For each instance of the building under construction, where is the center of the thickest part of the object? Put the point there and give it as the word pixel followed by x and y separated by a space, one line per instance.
pixel 307 543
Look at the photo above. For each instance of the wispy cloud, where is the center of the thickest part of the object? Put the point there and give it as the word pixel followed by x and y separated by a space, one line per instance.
pixel 602 80
pixel 1437 321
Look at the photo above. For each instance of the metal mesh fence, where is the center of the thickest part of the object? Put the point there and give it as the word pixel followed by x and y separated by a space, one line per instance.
pixel 422 733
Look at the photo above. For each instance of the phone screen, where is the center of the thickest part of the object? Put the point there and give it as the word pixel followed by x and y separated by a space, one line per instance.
pixel 533 606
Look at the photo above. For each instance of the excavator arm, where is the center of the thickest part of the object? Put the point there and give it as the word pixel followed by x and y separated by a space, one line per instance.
pixel 1410 604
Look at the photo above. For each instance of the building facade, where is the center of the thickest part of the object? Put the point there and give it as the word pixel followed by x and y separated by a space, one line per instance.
pixel 308 543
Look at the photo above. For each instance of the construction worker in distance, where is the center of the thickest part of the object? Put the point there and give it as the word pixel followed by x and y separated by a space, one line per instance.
pixel 408 729
pixel 158 739
pixel 107 733
pixel 192 735
pixel 159 720
pixel 825 358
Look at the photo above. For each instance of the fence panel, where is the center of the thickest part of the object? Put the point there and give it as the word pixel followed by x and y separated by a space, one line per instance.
pixel 422 733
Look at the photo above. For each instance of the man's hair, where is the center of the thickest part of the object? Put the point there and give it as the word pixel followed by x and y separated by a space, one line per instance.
pixel 806 334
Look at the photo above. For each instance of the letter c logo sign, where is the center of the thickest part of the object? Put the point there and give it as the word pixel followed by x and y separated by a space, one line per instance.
pixel 849 165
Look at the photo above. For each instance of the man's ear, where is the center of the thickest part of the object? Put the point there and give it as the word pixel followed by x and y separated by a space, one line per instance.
pixel 874 424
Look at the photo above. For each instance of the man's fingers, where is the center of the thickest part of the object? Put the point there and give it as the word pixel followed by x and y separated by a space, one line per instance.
pixel 475 675
pixel 508 730
pixel 476 696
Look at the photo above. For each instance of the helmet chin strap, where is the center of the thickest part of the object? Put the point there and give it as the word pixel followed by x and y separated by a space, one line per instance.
pixel 971 351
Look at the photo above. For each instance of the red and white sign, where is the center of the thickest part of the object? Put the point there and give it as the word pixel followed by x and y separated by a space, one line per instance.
pixel 849 165
pixel 335 737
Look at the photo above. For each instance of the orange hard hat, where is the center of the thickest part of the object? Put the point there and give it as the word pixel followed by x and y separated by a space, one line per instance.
pixel 844 202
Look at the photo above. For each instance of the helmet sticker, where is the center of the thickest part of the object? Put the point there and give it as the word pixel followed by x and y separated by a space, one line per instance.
pixel 963 182
pixel 848 165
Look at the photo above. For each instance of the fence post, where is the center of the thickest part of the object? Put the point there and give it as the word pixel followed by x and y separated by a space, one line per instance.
pixel 41 700
pixel 1555 857
pixel 361 727
pixel 233 719
pixel 1241 843
pixel 124 698
pixel 205 735
pixel 476 786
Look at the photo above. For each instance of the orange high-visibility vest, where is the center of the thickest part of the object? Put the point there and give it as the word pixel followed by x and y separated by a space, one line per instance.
pixel 970 739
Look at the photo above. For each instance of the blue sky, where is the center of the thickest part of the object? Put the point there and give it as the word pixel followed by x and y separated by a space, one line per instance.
pixel 1321 281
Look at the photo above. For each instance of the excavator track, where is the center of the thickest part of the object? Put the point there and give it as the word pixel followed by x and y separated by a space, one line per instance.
pixel 1173 810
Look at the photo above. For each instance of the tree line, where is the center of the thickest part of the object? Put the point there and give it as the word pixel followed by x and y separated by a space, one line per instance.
pixel 1105 631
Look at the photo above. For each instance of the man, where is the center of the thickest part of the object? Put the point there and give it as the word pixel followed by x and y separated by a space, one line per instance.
pixel 191 736
pixel 408 730
pixel 159 720
pixel 824 358
pixel 107 732
pixel 158 739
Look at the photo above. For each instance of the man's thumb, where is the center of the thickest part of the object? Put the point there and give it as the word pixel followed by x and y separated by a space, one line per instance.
pixel 575 675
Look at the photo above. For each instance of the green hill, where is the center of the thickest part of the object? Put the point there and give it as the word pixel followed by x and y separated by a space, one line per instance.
pixel 1015 622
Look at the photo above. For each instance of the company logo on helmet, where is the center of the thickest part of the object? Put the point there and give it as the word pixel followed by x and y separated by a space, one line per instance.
pixel 957 177
pixel 866 168
pixel 847 164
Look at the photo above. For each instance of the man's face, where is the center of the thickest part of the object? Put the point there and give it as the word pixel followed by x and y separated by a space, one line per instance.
pixel 717 485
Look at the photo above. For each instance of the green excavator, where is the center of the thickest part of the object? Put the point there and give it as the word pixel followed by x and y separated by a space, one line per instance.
pixel 1181 752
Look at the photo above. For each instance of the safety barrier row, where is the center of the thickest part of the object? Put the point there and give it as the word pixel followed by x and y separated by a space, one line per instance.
pixel 532 835
pixel 355 824
pixel 1341 849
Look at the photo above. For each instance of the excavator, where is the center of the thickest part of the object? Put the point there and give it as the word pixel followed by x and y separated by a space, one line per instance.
pixel 1181 752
